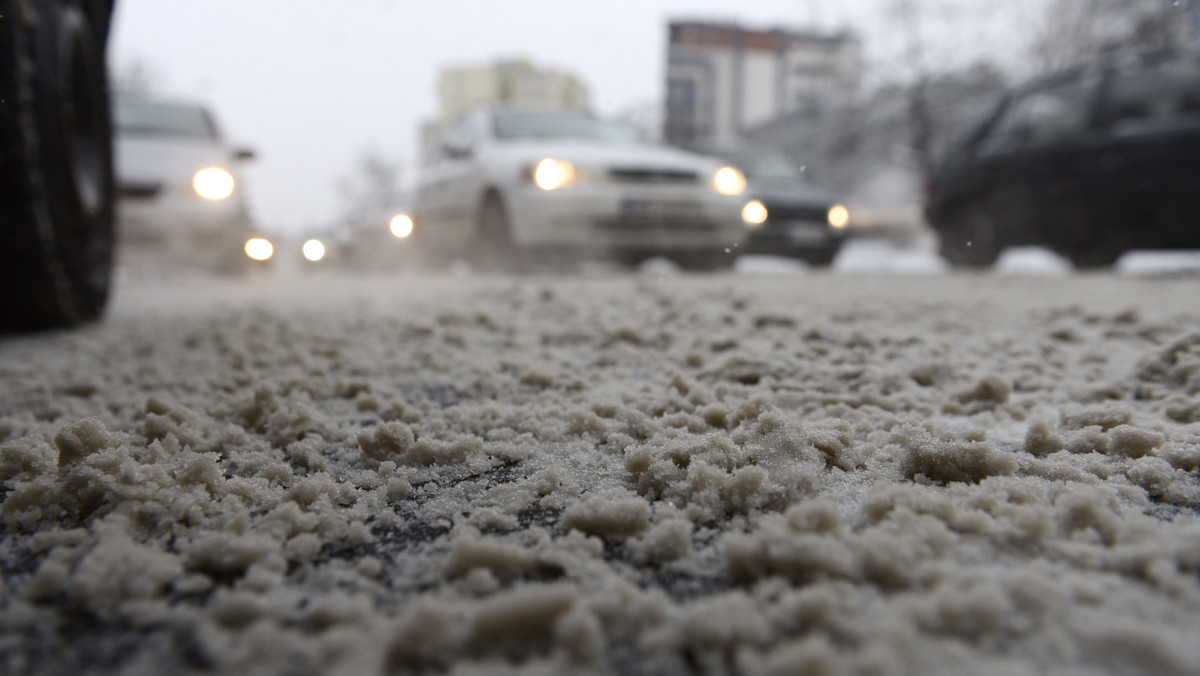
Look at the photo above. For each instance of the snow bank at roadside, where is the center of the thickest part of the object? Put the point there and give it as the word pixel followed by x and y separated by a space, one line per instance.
pixel 759 474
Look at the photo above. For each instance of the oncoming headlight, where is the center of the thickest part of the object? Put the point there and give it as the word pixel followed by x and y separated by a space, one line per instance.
pixel 551 174
pixel 401 225
pixel 259 249
pixel 729 181
pixel 754 213
pixel 313 250
pixel 839 216
pixel 213 183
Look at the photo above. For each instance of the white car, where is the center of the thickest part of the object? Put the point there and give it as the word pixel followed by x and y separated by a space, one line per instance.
pixel 179 194
pixel 498 180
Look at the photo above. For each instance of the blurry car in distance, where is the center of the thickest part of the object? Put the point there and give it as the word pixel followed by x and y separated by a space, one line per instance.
pixel 886 202
pixel 181 200
pixel 1090 164
pixel 380 241
pixel 500 182
pixel 786 215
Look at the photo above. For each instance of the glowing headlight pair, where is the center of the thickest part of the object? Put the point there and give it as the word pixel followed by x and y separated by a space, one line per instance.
pixel 755 214
pixel 261 249
pixel 213 183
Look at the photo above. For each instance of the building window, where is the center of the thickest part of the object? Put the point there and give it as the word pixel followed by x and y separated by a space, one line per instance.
pixel 681 109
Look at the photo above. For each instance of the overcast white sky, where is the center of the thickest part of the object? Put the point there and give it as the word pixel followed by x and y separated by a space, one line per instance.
pixel 312 84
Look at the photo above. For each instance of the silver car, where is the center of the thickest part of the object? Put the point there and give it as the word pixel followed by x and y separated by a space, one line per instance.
pixel 500 180
pixel 180 197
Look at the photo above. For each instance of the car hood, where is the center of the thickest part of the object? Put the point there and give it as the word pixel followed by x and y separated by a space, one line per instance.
pixel 157 159
pixel 605 155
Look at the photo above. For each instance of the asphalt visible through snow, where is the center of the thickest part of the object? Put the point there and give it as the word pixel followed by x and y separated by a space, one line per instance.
pixel 771 470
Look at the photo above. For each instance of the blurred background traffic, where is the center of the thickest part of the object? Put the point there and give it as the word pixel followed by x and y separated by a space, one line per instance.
pixel 375 137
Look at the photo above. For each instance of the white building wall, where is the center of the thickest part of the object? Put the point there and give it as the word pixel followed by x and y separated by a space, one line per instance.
pixel 759 97
pixel 722 95
pixel 741 82
pixel 509 81
pixel 460 88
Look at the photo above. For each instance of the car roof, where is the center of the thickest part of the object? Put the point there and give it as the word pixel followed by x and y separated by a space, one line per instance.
pixel 1143 59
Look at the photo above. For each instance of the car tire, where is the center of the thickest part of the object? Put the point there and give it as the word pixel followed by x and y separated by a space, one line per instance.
pixel 708 260
pixel 822 257
pixel 1100 257
pixel 972 241
pixel 56 174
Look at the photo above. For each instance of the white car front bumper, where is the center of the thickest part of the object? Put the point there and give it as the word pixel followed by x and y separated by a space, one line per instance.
pixel 606 217
pixel 183 228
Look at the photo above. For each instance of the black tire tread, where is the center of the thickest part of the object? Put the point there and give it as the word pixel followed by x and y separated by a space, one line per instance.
pixel 37 290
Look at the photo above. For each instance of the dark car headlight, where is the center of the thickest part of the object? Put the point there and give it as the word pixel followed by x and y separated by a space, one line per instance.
pixel 754 213
pixel 838 217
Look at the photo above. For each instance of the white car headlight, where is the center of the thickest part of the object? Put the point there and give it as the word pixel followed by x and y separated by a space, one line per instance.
pixel 313 250
pixel 259 249
pixel 551 174
pixel 839 216
pixel 213 183
pixel 729 181
pixel 401 225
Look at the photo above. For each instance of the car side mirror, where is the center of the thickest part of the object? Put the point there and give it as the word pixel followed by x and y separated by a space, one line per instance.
pixel 244 154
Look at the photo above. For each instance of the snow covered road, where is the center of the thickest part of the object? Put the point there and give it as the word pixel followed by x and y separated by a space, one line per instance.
pixel 640 474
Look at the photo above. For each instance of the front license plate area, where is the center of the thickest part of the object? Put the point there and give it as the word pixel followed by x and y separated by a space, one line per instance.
pixel 659 210
pixel 806 233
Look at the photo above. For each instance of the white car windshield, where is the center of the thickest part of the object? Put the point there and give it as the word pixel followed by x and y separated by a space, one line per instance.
pixel 145 118
pixel 508 126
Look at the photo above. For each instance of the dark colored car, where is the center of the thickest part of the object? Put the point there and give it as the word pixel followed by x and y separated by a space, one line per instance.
pixel 56 166
pixel 785 214
pixel 1090 164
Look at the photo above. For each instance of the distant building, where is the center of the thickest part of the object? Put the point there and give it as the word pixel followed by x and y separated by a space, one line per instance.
pixel 723 80
pixel 513 82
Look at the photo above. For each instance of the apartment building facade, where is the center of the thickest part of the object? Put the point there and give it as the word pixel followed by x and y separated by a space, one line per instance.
pixel 724 80
pixel 516 82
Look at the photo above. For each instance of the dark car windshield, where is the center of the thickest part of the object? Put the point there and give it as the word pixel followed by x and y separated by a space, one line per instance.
pixel 763 166
pixel 1156 93
pixel 508 126
pixel 146 118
